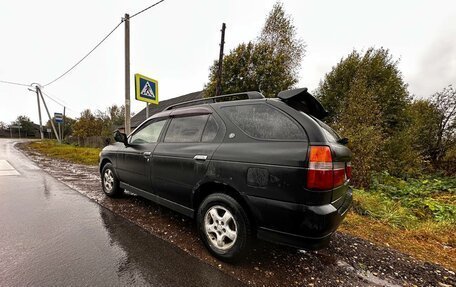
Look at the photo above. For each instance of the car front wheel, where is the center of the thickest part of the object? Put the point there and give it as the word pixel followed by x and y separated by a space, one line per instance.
pixel 224 227
pixel 110 182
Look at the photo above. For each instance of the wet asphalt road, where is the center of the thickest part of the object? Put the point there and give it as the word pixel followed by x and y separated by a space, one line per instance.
pixel 50 235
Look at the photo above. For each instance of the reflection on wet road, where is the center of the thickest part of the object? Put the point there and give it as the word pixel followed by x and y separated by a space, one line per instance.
pixel 52 235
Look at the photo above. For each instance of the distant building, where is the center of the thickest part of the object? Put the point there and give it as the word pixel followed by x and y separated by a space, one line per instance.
pixel 153 109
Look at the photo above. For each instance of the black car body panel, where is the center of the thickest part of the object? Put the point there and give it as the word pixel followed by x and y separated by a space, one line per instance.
pixel 269 176
pixel 302 100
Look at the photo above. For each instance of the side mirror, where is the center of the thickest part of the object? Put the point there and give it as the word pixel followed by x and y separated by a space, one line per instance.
pixel 121 138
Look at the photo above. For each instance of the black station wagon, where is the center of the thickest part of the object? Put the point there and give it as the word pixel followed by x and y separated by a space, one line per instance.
pixel 243 166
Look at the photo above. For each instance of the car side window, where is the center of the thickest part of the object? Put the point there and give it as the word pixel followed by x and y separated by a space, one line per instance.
pixel 210 131
pixel 263 121
pixel 148 134
pixel 186 129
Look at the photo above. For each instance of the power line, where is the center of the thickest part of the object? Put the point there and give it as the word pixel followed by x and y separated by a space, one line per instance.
pixel 83 58
pixel 57 102
pixel 14 83
pixel 96 46
pixel 145 9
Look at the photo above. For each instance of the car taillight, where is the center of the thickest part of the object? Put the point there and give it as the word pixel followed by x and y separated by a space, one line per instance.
pixel 323 173
pixel 339 173
pixel 349 170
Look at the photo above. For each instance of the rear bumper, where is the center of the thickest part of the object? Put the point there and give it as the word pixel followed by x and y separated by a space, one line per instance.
pixel 298 225
pixel 293 240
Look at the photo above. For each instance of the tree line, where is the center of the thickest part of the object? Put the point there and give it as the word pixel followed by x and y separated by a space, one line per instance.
pixel 366 97
pixel 90 124
pixel 389 130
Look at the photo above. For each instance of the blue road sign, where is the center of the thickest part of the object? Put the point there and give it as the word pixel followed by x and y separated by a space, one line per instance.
pixel 146 89
pixel 58 117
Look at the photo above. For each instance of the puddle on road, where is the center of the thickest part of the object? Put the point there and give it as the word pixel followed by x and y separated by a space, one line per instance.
pixel 365 275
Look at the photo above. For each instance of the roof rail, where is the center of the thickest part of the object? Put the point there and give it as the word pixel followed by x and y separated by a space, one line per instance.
pixel 249 95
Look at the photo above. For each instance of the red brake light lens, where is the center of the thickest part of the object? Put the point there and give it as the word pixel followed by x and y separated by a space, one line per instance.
pixel 320 173
pixel 319 179
pixel 323 173
pixel 349 170
pixel 339 173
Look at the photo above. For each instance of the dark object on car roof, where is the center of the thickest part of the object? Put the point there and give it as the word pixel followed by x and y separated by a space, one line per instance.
pixel 250 95
pixel 302 100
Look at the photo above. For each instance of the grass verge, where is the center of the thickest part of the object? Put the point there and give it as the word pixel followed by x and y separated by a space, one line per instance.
pixel 82 155
pixel 428 242
pixel 415 216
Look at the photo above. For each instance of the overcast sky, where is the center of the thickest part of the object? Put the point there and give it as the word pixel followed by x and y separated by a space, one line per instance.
pixel 176 42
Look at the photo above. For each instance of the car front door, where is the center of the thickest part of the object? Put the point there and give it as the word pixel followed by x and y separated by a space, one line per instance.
pixel 180 161
pixel 134 161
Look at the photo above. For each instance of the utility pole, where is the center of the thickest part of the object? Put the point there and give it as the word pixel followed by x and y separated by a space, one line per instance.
pixel 218 89
pixel 39 113
pixel 63 124
pixel 127 74
pixel 49 115
pixel 147 110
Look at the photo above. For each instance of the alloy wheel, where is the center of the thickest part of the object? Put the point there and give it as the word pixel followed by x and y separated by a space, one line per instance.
pixel 220 227
pixel 108 180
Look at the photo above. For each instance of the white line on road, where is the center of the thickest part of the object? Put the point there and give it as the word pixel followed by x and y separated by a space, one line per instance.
pixel 6 168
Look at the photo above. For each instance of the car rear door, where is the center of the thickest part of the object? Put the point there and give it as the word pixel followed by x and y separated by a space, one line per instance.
pixel 180 161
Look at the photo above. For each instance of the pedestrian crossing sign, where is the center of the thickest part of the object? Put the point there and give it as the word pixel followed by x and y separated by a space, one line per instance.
pixel 146 89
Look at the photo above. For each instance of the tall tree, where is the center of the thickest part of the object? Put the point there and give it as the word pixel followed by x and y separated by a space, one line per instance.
pixel 111 119
pixel 432 127
pixel 280 33
pixel 116 115
pixel 424 125
pixel 251 67
pixel 27 126
pixel 268 65
pixel 384 88
pixel 87 125
pixel 360 124
pixel 383 79
pixel 445 104
pixel 67 125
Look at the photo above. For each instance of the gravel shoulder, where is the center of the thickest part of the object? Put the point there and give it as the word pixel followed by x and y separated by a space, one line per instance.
pixel 348 261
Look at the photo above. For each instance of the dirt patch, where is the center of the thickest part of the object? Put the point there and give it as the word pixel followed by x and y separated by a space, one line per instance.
pixel 349 261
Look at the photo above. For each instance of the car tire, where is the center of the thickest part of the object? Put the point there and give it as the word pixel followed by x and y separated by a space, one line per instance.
pixel 224 227
pixel 110 182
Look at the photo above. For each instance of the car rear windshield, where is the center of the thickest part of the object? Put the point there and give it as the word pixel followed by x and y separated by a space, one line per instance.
pixel 262 121
pixel 330 134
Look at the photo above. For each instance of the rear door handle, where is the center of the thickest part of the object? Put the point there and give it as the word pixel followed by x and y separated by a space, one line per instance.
pixel 147 154
pixel 201 157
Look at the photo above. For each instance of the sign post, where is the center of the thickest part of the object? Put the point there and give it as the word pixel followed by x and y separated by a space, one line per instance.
pixel 146 90
pixel 58 117
pixel 18 127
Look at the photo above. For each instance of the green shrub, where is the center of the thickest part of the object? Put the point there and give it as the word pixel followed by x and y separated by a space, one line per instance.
pixel 406 203
pixel 379 206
